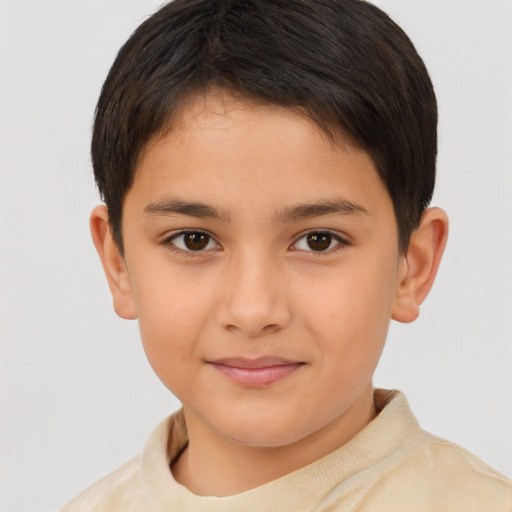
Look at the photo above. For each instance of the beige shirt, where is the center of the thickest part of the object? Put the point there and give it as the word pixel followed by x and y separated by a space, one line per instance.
pixel 391 465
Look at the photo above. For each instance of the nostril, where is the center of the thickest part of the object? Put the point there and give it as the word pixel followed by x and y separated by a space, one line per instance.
pixel 253 333
pixel 271 328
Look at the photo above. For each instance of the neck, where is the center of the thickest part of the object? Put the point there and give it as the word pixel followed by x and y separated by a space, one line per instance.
pixel 212 465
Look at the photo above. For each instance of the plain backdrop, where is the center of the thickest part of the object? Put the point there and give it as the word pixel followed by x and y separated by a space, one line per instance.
pixel 77 395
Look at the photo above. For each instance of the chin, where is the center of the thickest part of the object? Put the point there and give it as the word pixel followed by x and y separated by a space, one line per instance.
pixel 263 432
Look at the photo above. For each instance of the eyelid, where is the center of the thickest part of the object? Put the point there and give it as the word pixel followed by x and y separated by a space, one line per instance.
pixel 342 241
pixel 339 237
pixel 167 241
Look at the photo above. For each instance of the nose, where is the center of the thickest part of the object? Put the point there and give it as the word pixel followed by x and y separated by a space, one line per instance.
pixel 255 297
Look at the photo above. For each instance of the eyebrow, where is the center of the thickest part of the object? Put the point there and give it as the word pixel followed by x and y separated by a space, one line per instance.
pixel 317 209
pixel 192 209
pixel 177 206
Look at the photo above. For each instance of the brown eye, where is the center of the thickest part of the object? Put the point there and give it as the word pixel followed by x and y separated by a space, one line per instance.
pixel 319 241
pixel 196 241
pixel 192 241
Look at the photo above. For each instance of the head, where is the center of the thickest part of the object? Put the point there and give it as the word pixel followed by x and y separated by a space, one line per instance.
pixel 342 63
pixel 266 167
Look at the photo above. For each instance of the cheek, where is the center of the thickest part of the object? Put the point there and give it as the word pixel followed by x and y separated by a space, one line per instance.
pixel 349 317
pixel 352 302
pixel 172 313
pixel 167 297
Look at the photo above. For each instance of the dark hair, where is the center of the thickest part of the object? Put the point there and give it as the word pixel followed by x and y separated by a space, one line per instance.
pixel 343 63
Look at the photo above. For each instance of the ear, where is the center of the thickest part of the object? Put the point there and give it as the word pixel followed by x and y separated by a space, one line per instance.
pixel 418 268
pixel 113 264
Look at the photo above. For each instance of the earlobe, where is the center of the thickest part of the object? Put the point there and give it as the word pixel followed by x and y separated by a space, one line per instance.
pixel 419 267
pixel 113 264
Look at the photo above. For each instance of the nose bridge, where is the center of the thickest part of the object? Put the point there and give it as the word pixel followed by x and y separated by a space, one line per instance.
pixel 255 298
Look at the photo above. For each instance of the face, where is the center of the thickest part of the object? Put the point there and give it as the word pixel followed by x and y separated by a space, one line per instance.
pixel 263 265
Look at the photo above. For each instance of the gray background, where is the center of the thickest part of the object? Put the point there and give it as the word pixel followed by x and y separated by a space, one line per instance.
pixel 77 397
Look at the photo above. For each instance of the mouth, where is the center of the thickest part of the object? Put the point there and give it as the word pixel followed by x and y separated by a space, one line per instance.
pixel 260 372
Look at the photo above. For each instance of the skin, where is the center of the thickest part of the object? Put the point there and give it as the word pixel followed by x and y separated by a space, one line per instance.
pixel 258 289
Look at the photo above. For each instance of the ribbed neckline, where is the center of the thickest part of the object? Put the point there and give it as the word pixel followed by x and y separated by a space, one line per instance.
pixel 291 492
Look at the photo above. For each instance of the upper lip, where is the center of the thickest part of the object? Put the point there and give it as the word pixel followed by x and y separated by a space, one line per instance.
pixel 249 363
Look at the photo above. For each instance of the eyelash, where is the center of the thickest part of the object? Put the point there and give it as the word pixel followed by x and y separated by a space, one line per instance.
pixel 169 242
pixel 341 243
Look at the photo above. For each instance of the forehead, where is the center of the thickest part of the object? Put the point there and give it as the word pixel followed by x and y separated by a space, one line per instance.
pixel 216 111
pixel 220 147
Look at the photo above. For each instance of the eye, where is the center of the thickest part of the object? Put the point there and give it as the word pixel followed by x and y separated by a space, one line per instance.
pixel 318 241
pixel 192 241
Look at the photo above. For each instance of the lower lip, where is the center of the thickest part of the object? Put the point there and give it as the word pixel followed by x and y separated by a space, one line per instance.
pixel 256 377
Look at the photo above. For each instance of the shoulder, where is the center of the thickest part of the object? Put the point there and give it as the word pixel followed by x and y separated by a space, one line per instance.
pixel 132 487
pixel 443 472
pixel 436 474
pixel 118 491
pixel 405 468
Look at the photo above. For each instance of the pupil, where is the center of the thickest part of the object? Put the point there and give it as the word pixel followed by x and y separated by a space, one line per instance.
pixel 319 241
pixel 196 241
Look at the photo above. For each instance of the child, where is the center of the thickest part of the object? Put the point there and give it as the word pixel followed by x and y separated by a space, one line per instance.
pixel 267 168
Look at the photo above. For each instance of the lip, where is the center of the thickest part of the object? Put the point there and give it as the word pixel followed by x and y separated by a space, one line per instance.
pixel 260 372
